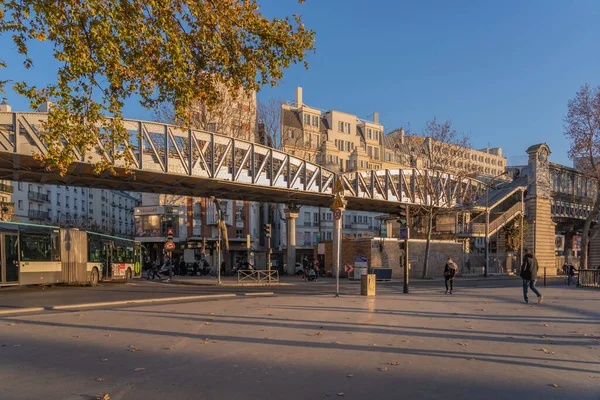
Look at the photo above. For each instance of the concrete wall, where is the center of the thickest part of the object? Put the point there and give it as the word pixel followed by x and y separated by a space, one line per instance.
pixel 385 253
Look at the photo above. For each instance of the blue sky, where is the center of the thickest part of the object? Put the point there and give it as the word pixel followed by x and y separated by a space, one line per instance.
pixel 501 71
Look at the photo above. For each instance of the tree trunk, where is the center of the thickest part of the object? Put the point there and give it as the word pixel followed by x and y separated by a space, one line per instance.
pixel 585 236
pixel 427 243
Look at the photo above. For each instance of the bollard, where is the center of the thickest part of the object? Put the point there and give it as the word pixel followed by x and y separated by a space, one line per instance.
pixel 544 276
pixel 367 285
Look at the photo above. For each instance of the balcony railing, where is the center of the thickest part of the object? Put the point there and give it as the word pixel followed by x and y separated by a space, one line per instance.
pixel 37 214
pixel 36 196
pixel 307 223
pixel 6 188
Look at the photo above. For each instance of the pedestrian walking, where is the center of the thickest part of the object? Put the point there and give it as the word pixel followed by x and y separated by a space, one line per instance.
pixel 449 273
pixel 529 270
pixel 571 277
pixel 316 268
pixel 170 265
pixel 468 264
pixel 155 268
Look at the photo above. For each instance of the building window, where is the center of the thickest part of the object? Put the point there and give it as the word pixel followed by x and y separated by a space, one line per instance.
pixel 239 233
pixel 388 157
pixel 306 119
pixel 340 126
pixel 315 121
pixel 369 133
pixel 377 153
pixel 20 185
pixel 20 204
pixel 328 235
pixel 370 151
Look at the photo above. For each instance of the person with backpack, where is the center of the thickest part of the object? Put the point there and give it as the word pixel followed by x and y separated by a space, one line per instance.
pixel 449 273
pixel 529 270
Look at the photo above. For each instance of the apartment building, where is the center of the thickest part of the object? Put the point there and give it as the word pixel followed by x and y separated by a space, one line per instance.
pixel 101 210
pixel 343 142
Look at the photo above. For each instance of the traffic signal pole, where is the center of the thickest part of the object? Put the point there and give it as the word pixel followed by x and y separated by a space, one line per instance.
pixel 405 286
pixel 267 228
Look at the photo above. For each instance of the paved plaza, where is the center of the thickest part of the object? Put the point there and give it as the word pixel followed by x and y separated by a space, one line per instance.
pixel 481 342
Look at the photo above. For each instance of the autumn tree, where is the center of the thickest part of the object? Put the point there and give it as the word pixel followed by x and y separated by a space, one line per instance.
pixel 178 52
pixel 582 128
pixel 439 148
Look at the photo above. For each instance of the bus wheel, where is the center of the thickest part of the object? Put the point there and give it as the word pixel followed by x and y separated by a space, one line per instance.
pixel 128 275
pixel 94 277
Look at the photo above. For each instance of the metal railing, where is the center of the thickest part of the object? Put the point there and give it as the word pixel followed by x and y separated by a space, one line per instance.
pixel 255 275
pixel 37 196
pixel 35 214
pixel 6 188
pixel 499 222
pixel 589 277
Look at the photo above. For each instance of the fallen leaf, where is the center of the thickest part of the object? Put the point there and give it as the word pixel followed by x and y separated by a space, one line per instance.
pixel 167 348
pixel 555 385
pixel 337 342
pixel 469 327
pixel 134 349
pixel 16 345
pixel 104 359
pixel 546 325
pixel 76 336
pixel 462 344
pixel 139 369
pixel 471 359
pixel 341 394
pixel 99 379
pixel 544 350
pixel 394 363
pixel 12 324
pixel 208 323
pixel 108 335
pixel 349 376
pixel 212 313
pixel 488 302
pixel 350 333
pixel 383 369
pixel 105 397
pixel 319 334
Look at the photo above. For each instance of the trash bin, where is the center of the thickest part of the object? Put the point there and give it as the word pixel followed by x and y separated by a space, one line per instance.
pixel 367 285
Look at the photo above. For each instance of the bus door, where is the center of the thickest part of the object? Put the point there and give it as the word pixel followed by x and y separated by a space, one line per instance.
pixel 9 258
pixel 108 270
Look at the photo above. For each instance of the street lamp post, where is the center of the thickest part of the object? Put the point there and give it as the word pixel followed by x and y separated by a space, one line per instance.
pixel 487 223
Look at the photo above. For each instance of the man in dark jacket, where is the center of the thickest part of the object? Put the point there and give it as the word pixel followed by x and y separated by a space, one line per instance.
pixel 529 271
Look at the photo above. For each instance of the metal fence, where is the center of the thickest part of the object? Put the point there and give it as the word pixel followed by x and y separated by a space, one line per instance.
pixel 589 277
pixel 258 276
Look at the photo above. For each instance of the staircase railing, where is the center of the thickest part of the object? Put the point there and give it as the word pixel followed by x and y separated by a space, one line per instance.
pixel 497 223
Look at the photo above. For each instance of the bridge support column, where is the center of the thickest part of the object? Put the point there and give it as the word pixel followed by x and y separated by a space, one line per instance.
pixel 291 213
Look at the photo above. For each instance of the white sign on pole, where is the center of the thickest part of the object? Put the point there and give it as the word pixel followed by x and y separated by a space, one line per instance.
pixel 321 248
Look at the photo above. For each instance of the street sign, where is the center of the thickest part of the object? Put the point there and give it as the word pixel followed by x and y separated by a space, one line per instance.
pixel 169 246
pixel 404 234
pixel 338 188
pixel 348 268
pixel 337 202
pixel 337 214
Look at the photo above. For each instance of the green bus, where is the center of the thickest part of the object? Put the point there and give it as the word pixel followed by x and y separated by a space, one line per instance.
pixel 33 254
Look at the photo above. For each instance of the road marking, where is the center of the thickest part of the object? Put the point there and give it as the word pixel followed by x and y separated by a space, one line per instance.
pixel 142 301
pixel 259 294
pixel 21 310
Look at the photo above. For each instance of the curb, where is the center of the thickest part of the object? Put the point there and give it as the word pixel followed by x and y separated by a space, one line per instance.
pixel 21 310
pixel 141 301
pixel 258 294
pixel 214 284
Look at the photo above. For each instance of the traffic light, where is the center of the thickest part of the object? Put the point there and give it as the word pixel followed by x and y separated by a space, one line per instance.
pixel 267 230
pixel 170 235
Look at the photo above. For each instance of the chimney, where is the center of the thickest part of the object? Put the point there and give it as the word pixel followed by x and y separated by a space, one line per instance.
pixel 298 97
pixel 4 106
pixel 376 117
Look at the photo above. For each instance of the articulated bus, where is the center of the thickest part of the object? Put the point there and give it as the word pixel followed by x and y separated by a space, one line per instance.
pixel 41 254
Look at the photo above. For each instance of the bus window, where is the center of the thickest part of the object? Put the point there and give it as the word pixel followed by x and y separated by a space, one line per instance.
pixel 96 249
pixel 55 245
pixel 35 246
